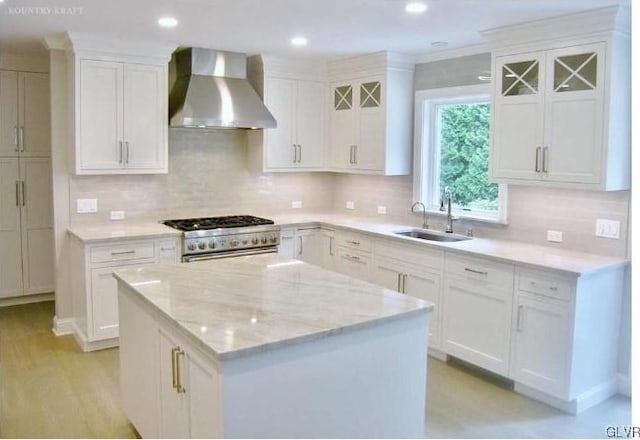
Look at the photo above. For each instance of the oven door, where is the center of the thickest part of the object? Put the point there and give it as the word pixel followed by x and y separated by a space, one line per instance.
pixel 228 254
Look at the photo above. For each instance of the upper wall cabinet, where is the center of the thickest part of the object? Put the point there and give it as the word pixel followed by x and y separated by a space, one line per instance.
pixel 119 102
pixel 561 108
pixel 295 93
pixel 371 104
pixel 25 128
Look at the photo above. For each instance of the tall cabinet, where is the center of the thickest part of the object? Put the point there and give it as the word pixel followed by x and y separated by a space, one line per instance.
pixel 26 209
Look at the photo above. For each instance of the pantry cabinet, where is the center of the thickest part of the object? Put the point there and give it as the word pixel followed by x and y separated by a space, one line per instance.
pixel 26 226
pixel 560 114
pixel 119 106
pixel 295 94
pixel 371 114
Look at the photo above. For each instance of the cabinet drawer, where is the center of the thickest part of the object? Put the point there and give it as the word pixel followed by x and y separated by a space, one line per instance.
pixel 545 283
pixel 355 241
pixel 480 269
pixel 409 254
pixel 124 251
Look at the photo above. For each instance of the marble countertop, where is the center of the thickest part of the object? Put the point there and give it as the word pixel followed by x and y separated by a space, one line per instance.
pixel 122 230
pixel 236 306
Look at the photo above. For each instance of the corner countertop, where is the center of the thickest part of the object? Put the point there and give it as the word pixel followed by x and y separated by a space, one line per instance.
pixel 232 307
pixel 122 231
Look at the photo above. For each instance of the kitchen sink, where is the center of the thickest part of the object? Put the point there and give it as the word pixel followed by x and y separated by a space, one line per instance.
pixel 424 234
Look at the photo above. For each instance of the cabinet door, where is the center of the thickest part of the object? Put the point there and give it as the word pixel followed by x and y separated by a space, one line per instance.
pixel 37 225
pixel 281 96
pixel 343 126
pixel 427 286
pixel 145 117
pixel 542 345
pixel 310 122
pixel 167 251
pixel 104 302
pixel 100 115
pixel 174 405
pixel 9 113
pixel 203 392
pixel 287 246
pixel 574 114
pixel 34 114
pixel 308 246
pixel 328 250
pixel 354 264
pixel 477 323
pixel 387 274
pixel 371 144
pixel 518 116
pixel 10 236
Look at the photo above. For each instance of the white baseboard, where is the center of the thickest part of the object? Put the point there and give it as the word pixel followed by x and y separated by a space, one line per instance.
pixel 63 326
pixel 437 354
pixel 26 299
pixel 624 385
pixel 86 345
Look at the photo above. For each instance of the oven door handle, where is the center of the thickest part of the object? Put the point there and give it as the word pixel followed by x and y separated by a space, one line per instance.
pixel 216 256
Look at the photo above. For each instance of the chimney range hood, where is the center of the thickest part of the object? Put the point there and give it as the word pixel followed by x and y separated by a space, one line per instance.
pixel 211 91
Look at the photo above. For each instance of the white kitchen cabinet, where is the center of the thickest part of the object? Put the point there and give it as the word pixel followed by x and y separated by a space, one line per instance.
pixel 25 127
pixel 478 298
pixel 119 105
pixel 560 115
pixel 94 289
pixel 314 245
pixel 26 226
pixel 371 114
pixel 354 254
pixel 412 271
pixel 295 94
pixel 287 246
pixel 328 251
pixel 308 245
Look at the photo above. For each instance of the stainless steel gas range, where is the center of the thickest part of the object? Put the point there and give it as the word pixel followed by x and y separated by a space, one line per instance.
pixel 230 236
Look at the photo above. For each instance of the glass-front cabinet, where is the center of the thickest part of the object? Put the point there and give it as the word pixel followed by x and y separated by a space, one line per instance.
pixel 549 115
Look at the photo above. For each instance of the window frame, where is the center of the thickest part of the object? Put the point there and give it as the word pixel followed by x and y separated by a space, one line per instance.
pixel 426 153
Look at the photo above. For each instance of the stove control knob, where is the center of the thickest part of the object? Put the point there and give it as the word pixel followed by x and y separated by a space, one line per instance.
pixel 264 240
pixel 212 244
pixel 274 239
pixel 202 245
pixel 234 243
pixel 245 241
pixel 191 246
pixel 254 240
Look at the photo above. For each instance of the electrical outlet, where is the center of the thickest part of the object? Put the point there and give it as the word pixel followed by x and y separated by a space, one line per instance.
pixel 296 204
pixel 86 205
pixel 608 228
pixel 382 209
pixel 555 236
pixel 116 215
pixel 350 205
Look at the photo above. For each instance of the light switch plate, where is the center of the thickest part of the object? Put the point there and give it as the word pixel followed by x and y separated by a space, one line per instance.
pixel 116 215
pixel 86 205
pixel 382 209
pixel 296 204
pixel 350 205
pixel 608 228
pixel 554 236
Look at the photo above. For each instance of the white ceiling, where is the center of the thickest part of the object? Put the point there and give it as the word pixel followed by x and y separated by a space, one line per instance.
pixel 334 27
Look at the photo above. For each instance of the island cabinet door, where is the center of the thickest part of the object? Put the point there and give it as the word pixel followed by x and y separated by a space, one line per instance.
pixel 189 391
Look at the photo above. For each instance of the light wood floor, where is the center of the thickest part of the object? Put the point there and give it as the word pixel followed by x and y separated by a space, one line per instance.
pixel 50 389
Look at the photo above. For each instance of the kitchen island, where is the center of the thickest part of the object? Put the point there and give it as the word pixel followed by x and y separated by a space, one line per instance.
pixel 265 346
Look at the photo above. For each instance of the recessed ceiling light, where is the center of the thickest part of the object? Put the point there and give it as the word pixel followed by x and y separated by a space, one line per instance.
pixel 415 7
pixel 299 41
pixel 168 22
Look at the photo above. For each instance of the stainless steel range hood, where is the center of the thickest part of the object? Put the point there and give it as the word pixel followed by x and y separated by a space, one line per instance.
pixel 211 90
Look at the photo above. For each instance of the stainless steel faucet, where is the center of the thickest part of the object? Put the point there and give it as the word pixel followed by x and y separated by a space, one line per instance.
pixel 425 225
pixel 446 198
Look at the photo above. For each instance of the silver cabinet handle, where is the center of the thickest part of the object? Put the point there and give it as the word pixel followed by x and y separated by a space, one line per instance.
pixel 22 138
pixel 350 153
pixel 164 249
pixel 538 150
pixel 121 152
pixel 352 257
pixel 404 282
pixel 331 246
pixel 299 153
pixel 24 197
pixel 356 243
pixel 126 143
pixel 355 154
pixel 519 322
pixel 479 272
pixel 545 160
pixel 300 245
pixel 294 153
pixel 399 282
pixel 17 193
pixel 114 253
pixel 16 140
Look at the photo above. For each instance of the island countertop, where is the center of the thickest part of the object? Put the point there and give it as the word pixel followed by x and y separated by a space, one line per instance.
pixel 236 306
